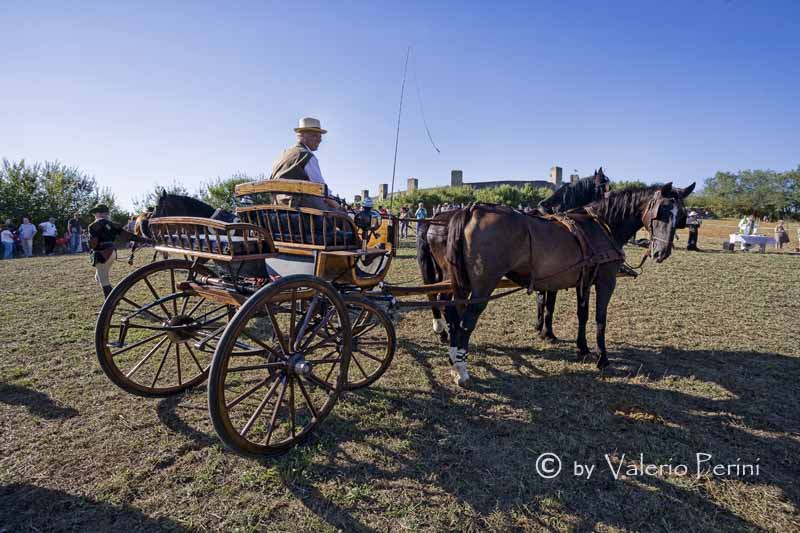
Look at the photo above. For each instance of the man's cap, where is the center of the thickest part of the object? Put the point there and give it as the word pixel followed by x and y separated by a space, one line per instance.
pixel 99 208
pixel 309 124
pixel 367 202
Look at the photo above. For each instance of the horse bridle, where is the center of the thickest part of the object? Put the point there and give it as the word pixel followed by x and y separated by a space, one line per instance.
pixel 651 215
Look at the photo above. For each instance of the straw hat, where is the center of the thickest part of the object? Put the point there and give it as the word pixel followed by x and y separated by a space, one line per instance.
pixel 309 124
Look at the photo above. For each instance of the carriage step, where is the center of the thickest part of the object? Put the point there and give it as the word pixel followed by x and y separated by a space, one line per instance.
pixel 216 294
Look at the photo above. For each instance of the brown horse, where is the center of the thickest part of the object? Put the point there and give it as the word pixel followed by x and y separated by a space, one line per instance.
pixel 434 237
pixel 485 243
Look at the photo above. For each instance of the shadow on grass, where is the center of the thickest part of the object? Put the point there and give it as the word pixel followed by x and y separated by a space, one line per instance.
pixel 480 446
pixel 38 403
pixel 174 412
pixel 30 508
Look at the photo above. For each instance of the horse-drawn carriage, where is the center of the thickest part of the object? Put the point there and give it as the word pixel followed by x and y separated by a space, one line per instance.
pixel 286 308
pixel 271 309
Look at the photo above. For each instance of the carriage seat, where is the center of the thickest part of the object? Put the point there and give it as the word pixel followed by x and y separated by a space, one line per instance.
pixel 281 225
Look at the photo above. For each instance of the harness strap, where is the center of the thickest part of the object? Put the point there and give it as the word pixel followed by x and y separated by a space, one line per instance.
pixel 460 301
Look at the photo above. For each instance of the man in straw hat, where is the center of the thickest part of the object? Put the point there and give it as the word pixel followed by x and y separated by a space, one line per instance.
pixel 102 234
pixel 300 163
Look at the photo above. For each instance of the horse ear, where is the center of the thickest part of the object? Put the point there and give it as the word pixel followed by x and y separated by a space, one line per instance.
pixel 163 193
pixel 688 190
pixel 666 189
pixel 600 171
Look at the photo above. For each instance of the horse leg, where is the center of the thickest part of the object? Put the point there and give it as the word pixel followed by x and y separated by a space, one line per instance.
pixel 583 318
pixel 540 303
pixel 605 288
pixel 439 321
pixel 457 360
pixel 549 308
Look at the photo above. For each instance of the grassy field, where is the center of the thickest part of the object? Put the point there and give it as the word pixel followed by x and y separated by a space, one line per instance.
pixel 705 358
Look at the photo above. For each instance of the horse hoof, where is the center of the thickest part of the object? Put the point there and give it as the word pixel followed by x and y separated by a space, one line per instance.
pixel 583 352
pixel 550 339
pixel 460 374
pixel 461 381
pixel 603 362
pixel 443 338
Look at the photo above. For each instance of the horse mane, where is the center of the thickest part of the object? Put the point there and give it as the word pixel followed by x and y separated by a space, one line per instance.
pixel 571 195
pixel 622 209
pixel 190 206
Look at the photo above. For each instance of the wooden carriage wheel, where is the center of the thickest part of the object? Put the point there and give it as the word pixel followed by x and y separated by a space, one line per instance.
pixel 154 339
pixel 272 398
pixel 374 341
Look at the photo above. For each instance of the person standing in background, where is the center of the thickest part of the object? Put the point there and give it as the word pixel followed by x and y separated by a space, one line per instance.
pixel 49 233
pixel 693 223
pixel 7 240
pixel 26 233
pixel 74 228
pixel 404 222
pixel 781 235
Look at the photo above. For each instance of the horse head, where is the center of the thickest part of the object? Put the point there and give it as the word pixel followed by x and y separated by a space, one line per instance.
pixel 601 183
pixel 664 214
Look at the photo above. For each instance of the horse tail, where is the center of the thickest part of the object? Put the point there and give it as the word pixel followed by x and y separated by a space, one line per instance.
pixel 455 252
pixel 425 261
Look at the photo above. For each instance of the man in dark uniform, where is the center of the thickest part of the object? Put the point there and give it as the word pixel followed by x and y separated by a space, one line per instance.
pixel 102 234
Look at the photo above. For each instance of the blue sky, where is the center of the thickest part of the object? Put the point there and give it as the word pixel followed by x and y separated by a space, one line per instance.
pixel 143 93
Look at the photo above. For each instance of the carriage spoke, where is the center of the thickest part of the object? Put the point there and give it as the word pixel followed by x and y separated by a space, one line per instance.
pixel 312 307
pixel 196 306
pixel 263 345
pixel 275 411
pixel 260 408
pixel 265 366
pixel 292 408
pixel 140 308
pixel 278 333
pixel 178 362
pixel 184 305
pixel 145 358
pixel 156 296
pixel 138 343
pixel 191 352
pixel 365 330
pixel 248 392
pixel 293 315
pixel 314 332
pixel 160 366
pixel 369 355
pixel 172 285
pixel 355 360
pixel 310 404
pixel 323 383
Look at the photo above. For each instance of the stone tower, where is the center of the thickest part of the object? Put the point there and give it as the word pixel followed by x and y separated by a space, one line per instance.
pixel 456 178
pixel 555 176
pixel 365 194
pixel 413 185
pixel 383 191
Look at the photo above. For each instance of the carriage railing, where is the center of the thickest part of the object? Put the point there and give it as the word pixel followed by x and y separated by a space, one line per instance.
pixel 211 239
pixel 303 227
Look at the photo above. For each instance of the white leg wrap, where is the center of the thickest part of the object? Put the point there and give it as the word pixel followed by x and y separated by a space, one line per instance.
pixel 458 358
pixel 439 325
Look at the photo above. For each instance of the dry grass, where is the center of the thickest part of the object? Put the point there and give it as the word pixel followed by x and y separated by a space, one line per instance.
pixel 704 353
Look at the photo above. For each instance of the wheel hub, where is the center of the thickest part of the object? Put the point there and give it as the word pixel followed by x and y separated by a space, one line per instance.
pixel 181 328
pixel 298 365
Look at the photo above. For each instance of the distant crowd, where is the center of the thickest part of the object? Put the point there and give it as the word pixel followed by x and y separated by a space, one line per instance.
pixel 28 239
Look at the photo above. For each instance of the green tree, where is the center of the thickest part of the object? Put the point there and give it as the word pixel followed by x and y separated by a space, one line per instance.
pixel 220 192
pixel 150 198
